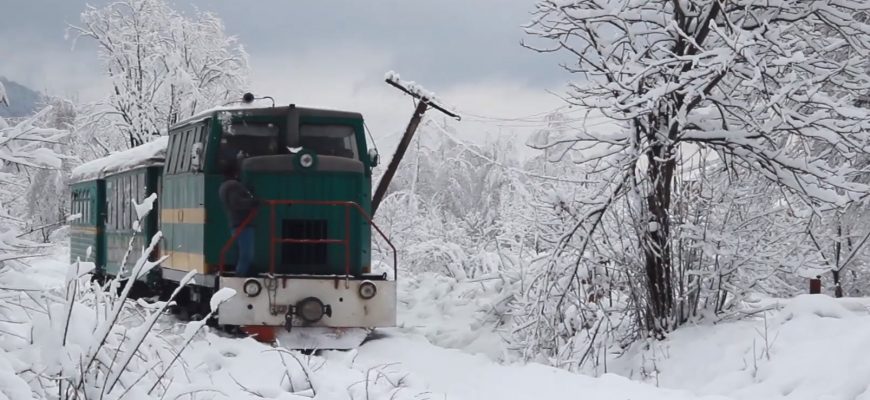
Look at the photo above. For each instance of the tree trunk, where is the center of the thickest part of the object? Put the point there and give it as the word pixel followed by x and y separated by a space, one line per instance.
pixel 657 250
pixel 838 248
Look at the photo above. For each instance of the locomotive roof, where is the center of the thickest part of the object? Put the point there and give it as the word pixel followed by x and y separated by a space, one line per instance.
pixel 258 110
pixel 153 153
pixel 147 155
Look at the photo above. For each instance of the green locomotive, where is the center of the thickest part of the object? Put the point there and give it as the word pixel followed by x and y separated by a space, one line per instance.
pixel 312 171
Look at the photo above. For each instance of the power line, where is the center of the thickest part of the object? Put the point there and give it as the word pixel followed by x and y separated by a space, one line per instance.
pixel 471 150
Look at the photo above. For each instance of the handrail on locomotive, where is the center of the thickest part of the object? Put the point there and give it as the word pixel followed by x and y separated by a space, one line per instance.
pixel 272 240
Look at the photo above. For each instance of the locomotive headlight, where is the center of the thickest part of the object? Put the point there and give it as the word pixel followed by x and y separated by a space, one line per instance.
pixel 252 287
pixel 306 160
pixel 311 309
pixel 367 290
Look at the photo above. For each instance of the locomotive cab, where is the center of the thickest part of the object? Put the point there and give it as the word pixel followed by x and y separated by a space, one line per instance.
pixel 311 171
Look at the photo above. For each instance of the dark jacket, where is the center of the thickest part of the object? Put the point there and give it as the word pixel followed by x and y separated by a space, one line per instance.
pixel 238 202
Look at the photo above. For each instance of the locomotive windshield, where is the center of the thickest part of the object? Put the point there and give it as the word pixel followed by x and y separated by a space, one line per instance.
pixel 243 139
pixel 329 140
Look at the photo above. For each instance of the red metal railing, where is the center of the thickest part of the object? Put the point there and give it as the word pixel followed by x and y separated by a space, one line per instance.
pixel 348 205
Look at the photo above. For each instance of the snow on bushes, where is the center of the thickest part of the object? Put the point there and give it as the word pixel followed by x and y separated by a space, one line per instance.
pixel 84 340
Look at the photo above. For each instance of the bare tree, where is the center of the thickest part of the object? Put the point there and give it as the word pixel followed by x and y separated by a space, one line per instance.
pixel 761 88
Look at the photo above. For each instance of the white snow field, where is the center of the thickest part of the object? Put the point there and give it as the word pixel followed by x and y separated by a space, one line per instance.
pixel 813 347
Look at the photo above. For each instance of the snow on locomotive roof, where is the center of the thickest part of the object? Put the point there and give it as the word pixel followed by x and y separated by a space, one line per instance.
pixel 149 154
pixel 207 113
pixel 257 108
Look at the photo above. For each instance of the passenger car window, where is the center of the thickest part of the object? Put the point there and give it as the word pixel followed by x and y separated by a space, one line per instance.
pixel 111 206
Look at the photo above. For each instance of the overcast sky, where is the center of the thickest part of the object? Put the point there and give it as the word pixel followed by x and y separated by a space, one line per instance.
pixel 328 53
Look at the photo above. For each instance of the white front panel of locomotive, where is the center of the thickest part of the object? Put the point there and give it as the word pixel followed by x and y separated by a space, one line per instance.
pixel 278 295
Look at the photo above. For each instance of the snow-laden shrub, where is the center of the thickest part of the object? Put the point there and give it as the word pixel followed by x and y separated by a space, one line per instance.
pixel 87 340
pixel 91 341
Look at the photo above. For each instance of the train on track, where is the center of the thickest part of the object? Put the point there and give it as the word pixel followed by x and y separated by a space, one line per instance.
pixel 312 173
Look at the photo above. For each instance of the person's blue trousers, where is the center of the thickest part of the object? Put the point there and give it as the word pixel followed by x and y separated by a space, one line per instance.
pixel 245 248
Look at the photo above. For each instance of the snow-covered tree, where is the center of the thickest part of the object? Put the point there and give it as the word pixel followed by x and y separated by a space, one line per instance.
pixel 45 202
pixel 764 89
pixel 25 145
pixel 163 66
pixel 4 100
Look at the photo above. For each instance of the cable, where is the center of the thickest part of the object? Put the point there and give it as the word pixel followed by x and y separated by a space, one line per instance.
pixel 528 123
pixel 547 125
pixel 528 117
pixel 509 168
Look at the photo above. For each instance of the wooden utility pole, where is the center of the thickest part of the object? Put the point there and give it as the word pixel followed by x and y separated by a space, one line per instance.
pixel 423 103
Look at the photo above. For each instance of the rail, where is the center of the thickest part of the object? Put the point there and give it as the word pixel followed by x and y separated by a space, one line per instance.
pixel 348 205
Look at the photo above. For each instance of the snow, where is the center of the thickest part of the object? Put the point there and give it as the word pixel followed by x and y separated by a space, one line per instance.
pixel 322 338
pixel 459 309
pixel 221 296
pixel 142 209
pixel 227 110
pixel 459 375
pixel 146 155
pixel 807 347
pixel 414 88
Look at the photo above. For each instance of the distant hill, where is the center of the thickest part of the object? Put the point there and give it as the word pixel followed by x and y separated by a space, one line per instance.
pixel 23 101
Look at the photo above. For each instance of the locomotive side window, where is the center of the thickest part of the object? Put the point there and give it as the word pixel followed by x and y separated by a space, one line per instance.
pixel 186 143
pixel 185 151
pixel 197 149
pixel 243 139
pixel 173 153
pixel 329 140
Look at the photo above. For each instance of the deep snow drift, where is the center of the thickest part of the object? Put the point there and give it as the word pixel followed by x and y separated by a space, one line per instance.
pixel 810 347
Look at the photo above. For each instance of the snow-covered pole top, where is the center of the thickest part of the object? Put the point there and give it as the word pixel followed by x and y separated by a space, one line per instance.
pixel 415 90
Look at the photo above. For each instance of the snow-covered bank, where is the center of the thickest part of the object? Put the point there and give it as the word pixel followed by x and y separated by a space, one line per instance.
pixel 460 375
pixel 452 314
pixel 808 347
pixel 396 364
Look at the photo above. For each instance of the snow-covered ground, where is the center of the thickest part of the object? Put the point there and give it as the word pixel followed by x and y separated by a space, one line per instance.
pixel 810 347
